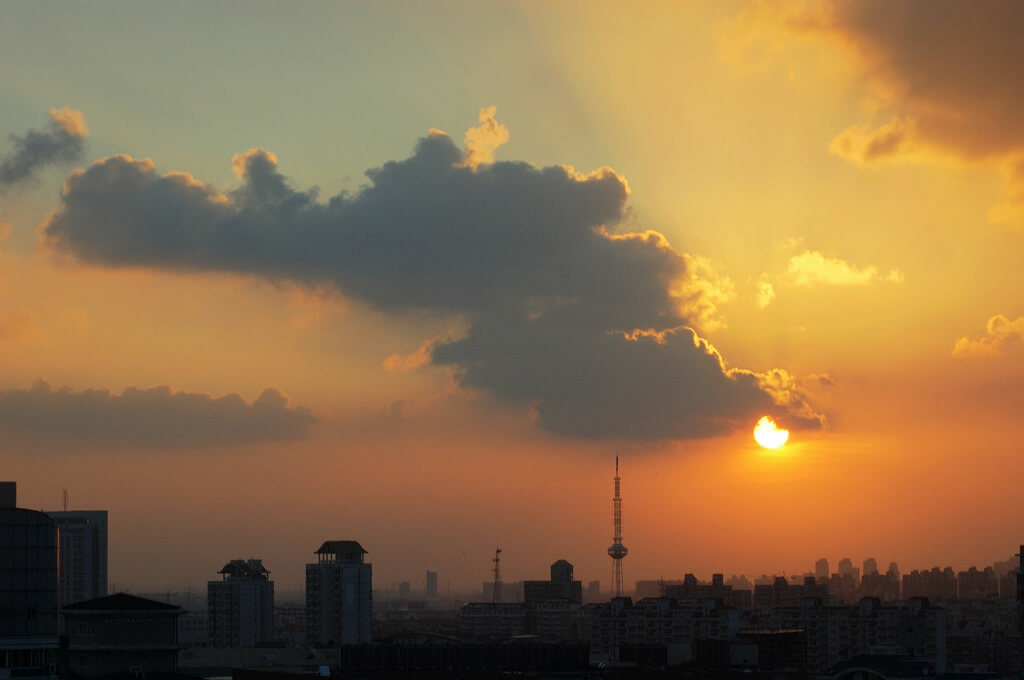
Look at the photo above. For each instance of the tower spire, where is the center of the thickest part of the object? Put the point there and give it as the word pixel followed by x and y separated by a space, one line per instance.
pixel 617 551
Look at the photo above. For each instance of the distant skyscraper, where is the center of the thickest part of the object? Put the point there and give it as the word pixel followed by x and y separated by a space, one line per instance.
pixel 240 607
pixel 617 551
pixel 846 566
pixel 83 554
pixel 870 566
pixel 821 570
pixel 339 595
pixel 431 584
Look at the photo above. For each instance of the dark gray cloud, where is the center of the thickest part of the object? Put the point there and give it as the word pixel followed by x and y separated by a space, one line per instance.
pixel 554 295
pixel 952 67
pixel 62 142
pixel 150 418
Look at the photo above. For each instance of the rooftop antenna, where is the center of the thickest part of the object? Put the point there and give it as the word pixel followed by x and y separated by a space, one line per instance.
pixel 65 499
pixel 617 551
pixel 497 576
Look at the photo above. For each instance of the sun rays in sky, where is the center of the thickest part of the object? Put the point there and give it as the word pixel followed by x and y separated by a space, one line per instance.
pixel 454 258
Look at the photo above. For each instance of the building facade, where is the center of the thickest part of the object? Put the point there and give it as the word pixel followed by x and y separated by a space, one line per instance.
pixel 83 554
pixel 240 607
pixel 121 634
pixel 339 595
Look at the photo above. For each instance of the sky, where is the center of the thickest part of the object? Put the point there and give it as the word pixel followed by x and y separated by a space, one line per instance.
pixel 414 274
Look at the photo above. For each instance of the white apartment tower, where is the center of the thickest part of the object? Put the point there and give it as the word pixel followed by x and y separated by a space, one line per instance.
pixel 240 607
pixel 83 554
pixel 338 596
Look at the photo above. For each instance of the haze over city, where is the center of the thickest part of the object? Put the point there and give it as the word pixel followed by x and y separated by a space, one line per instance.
pixel 415 274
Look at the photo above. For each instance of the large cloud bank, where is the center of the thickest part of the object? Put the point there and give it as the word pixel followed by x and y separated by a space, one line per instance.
pixel 591 327
pixel 62 142
pixel 943 78
pixel 150 418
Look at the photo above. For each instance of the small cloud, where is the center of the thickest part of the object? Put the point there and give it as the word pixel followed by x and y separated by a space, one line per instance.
pixel 999 329
pixel 421 357
pixel 63 142
pixel 795 243
pixel 765 294
pixel 396 411
pixel 482 140
pixel 812 267
pixel 868 147
pixel 150 418
pixel 821 379
pixel 70 121
pixel 1011 211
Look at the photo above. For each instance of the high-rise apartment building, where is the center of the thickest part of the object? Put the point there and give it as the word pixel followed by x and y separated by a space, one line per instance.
pixel 83 554
pixel 431 584
pixel 240 607
pixel 339 595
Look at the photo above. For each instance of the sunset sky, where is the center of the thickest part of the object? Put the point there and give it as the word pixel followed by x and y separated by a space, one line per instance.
pixel 413 274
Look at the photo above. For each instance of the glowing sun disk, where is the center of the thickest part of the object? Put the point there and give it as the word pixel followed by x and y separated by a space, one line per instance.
pixel 768 435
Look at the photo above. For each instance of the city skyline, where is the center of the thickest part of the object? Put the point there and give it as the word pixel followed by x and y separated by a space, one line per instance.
pixel 416 274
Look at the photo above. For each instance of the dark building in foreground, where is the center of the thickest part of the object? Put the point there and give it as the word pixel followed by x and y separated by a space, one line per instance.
pixel 29 635
pixel 121 634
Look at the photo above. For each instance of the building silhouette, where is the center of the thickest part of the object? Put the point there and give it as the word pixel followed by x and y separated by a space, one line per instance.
pixel 431 584
pixel 339 595
pixel 562 586
pixel 120 635
pixel 29 633
pixel 240 607
pixel 821 572
pixel 83 554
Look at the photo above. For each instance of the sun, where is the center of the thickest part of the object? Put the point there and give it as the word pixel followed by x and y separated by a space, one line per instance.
pixel 768 435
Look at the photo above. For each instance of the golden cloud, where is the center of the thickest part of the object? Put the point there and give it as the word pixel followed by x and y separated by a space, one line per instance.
pixel 998 330
pixel 481 141
pixel 812 267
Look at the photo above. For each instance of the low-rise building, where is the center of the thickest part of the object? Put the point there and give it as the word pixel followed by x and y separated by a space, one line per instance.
pixel 121 634
pixel 483 621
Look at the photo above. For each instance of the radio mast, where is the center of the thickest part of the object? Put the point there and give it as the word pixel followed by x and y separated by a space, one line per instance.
pixel 617 551
pixel 497 576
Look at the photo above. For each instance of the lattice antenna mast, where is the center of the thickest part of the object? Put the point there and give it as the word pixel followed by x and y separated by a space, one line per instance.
pixel 497 576
pixel 64 499
pixel 617 551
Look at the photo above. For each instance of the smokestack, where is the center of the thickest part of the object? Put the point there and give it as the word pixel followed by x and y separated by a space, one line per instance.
pixel 8 494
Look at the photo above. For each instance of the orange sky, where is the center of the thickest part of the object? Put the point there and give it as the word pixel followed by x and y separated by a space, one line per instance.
pixel 468 336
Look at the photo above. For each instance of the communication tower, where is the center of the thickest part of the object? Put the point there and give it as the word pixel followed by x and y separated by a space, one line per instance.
pixel 497 576
pixel 617 551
